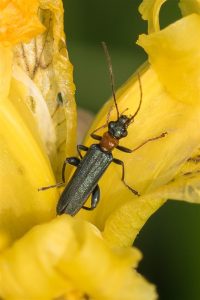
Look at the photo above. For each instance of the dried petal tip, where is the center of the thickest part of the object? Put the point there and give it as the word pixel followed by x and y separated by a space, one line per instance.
pixel 19 21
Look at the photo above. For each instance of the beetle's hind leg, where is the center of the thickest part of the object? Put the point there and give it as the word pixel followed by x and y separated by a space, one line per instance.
pixel 95 198
pixel 74 161
pixel 121 163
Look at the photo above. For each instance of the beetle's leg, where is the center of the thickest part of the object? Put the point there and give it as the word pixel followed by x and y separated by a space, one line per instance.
pixel 70 160
pixel 43 188
pixel 81 147
pixel 95 198
pixel 121 163
pixel 95 136
pixel 124 149
pixel 74 161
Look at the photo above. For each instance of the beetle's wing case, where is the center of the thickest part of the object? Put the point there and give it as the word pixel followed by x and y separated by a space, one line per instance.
pixel 84 180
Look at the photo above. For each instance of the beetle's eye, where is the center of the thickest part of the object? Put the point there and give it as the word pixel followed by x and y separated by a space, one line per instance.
pixel 124 133
pixel 111 125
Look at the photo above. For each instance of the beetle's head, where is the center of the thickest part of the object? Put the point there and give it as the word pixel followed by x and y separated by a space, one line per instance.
pixel 118 128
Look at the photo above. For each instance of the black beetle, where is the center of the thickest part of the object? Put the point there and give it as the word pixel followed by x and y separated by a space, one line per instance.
pixel 92 166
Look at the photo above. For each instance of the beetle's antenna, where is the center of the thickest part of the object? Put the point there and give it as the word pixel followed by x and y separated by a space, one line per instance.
pixel 111 75
pixel 140 103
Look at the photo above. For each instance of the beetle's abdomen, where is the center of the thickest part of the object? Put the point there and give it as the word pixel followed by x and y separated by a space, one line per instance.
pixel 84 180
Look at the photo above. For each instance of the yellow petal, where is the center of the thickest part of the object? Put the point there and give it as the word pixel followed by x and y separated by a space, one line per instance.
pixel 125 223
pixel 184 186
pixel 149 10
pixel 5 71
pixel 174 54
pixel 154 164
pixel 28 129
pixel 189 7
pixel 66 257
pixel 166 107
pixel 24 164
pixel 19 21
pixel 24 167
pixel 43 66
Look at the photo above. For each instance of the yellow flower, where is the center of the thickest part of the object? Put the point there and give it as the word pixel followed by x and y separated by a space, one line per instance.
pixel 162 169
pixel 44 257
pixel 26 67
pixel 67 257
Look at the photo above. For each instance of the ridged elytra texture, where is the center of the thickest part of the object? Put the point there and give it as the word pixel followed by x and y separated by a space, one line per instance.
pixel 84 180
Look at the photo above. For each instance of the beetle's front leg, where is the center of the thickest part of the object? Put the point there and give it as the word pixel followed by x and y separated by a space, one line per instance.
pixel 70 160
pixel 95 198
pixel 74 161
pixel 95 136
pixel 121 163
pixel 81 147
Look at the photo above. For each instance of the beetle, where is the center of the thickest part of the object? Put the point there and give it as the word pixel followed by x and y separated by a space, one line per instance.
pixel 91 167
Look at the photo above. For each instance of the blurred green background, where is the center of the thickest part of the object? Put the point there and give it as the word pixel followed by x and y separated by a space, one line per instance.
pixel 170 240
